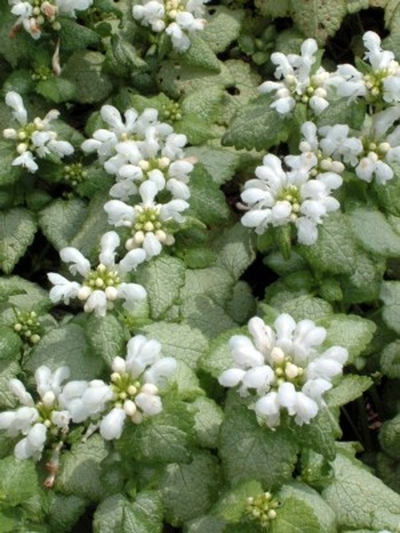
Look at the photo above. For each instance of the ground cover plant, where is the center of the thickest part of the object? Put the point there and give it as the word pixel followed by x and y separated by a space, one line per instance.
pixel 199 246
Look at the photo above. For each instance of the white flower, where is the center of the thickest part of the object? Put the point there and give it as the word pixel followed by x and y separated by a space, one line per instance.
pixel 40 421
pixel 298 83
pixel 180 19
pixel 149 221
pixel 282 368
pixel 34 139
pixel 104 284
pixel 277 198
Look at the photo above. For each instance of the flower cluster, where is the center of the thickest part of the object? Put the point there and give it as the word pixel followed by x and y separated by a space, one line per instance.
pixel 133 393
pixel 103 285
pixel 34 138
pixel 146 157
pixel 45 421
pixel 282 368
pixel 33 14
pixel 301 196
pixel 299 81
pixel 179 19
pixel 262 508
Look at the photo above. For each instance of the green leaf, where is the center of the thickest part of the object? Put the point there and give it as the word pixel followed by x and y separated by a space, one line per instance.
pixel 390 360
pixel 66 345
pixel 204 313
pixel 390 295
pixel 188 490
pixel 335 250
pixel 235 250
pixel 60 220
pixel 106 337
pixel 364 284
pixel 206 524
pixel 56 89
pixel 207 201
pixel 257 126
pixel 8 370
pixel 349 389
pixel 389 437
pixel 117 514
pixel 208 417
pixel 350 331
pixel 165 438
pixel 76 36
pixel 163 278
pixel 18 480
pixel 374 232
pixel 219 357
pixel 371 504
pixel 80 469
pixel 303 505
pixel 9 173
pixel 223 28
pixel 24 294
pixel 219 163
pixel 250 451
pixel 16 47
pixel 10 344
pixel 64 511
pixel 301 307
pixel 318 19
pixel 206 109
pixel 242 306
pixel 201 55
pixel 392 16
pixel 178 340
pixel 88 237
pixel 84 70
pixel 17 230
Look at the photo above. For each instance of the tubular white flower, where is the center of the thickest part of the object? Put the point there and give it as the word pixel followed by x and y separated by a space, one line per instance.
pixel 287 372
pixel 112 424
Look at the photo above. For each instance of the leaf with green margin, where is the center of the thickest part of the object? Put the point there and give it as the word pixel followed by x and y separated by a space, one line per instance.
pixel 84 70
pixel 163 278
pixel 18 480
pixel 235 247
pixel 364 284
pixel 257 125
pixel 374 232
pixel 304 306
pixel 80 469
pixel 9 173
pixel 60 220
pixel 178 340
pixel 208 417
pixel 390 360
pixel 274 9
pixel 88 237
pixel 219 163
pixel 8 370
pixel 24 294
pixel 117 514
pixel 64 511
pixel 389 437
pixel 10 520
pixel 282 266
pixel 356 5
pixel 206 524
pixel 17 230
pixel 186 382
pixel 76 36
pixel 56 89
pixel 388 196
pixel 390 295
pixel 301 505
pixel 223 27
pixel 320 434
pixel 392 16
pixel 196 131
pixel 335 250
pixel 207 201
pixel 188 490
pixel 350 331
pixel 165 438
pixel 13 49
pixel 359 499
pixel 350 387
pixel 250 451
pixel 66 345
pixel 106 337
pixel 388 470
pixel 201 55
pixel 319 19
pixel 213 281
pixel 10 344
